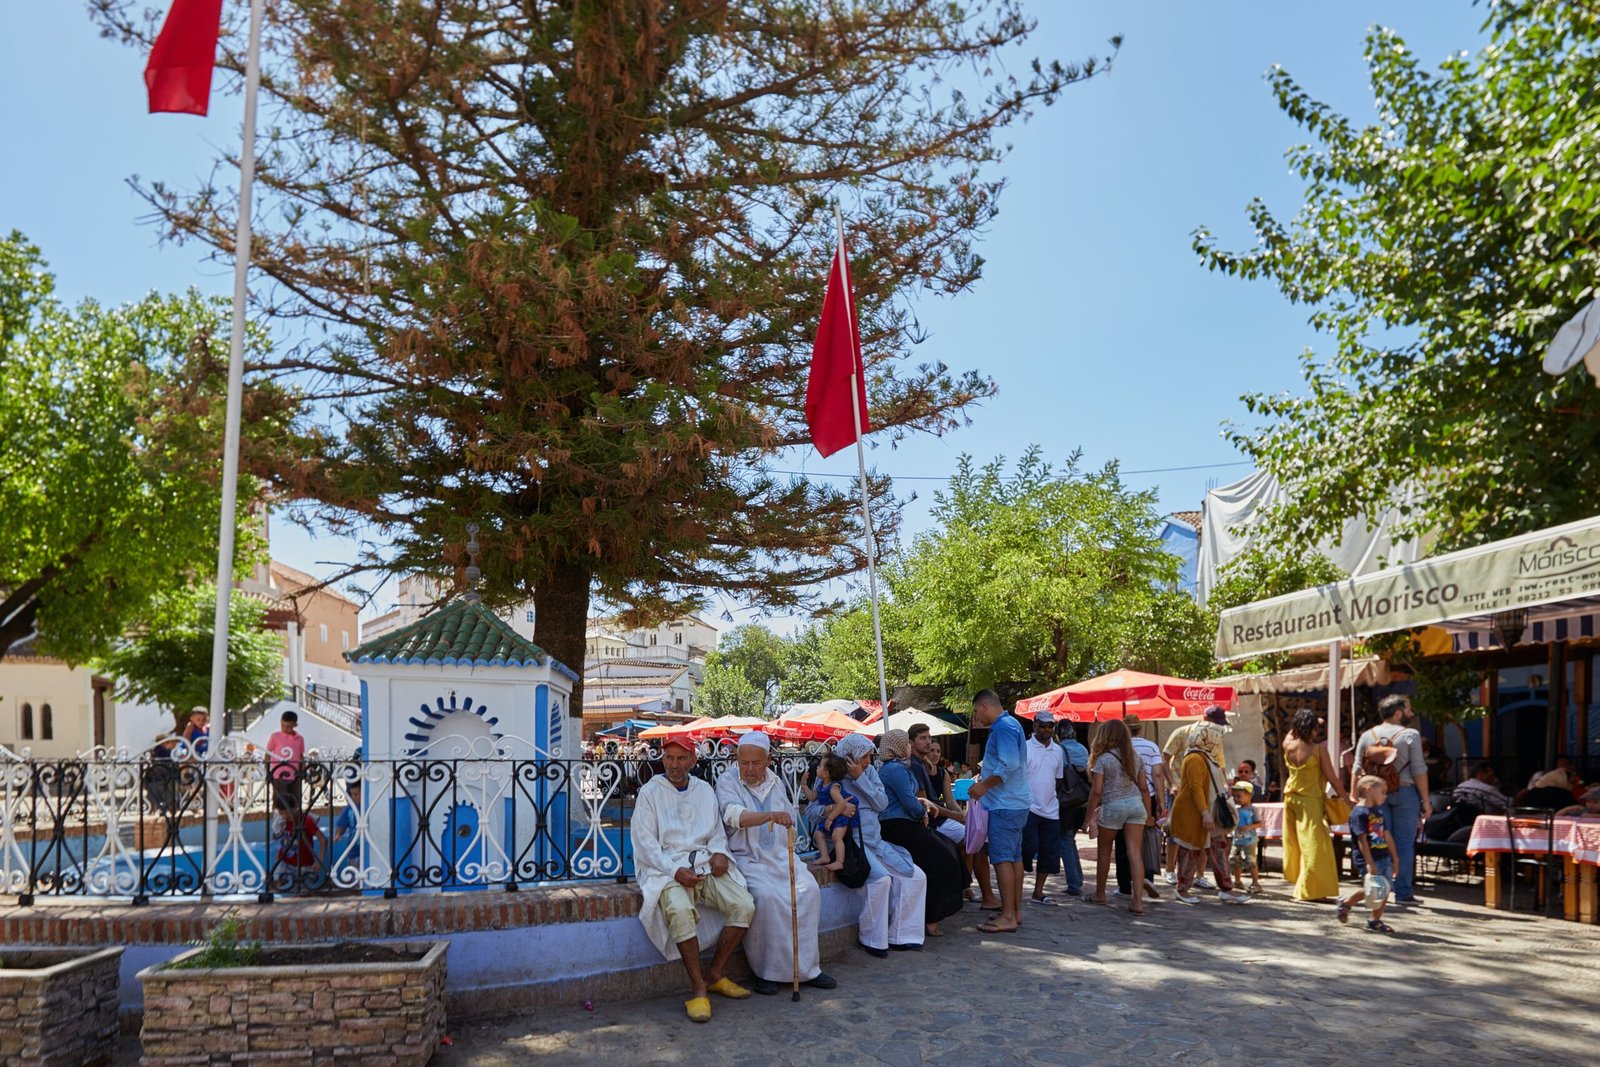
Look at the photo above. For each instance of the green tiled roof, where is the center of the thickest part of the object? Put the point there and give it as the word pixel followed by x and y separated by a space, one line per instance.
pixel 461 633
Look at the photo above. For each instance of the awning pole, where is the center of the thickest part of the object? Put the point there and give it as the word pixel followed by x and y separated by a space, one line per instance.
pixel 1335 702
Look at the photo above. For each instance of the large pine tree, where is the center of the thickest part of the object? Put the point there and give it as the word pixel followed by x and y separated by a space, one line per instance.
pixel 570 256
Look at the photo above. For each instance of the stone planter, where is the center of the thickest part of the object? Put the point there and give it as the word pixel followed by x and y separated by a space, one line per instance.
pixel 58 1007
pixel 309 1004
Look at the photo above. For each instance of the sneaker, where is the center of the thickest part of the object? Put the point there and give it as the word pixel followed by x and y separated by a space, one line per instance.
pixel 1203 882
pixel 1171 878
pixel 1071 892
pixel 1115 893
pixel 1234 897
pixel 1186 898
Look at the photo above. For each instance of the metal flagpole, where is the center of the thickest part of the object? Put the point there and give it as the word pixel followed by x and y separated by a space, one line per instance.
pixel 230 439
pixel 858 368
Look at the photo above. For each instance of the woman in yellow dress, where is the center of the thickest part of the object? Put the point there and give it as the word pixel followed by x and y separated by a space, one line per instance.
pixel 1307 843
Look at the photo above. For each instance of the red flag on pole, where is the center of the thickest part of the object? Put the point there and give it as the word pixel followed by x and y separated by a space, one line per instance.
pixel 835 363
pixel 178 75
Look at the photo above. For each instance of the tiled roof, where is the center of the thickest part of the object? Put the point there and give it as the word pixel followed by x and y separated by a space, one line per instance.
pixel 459 634
pixel 1189 518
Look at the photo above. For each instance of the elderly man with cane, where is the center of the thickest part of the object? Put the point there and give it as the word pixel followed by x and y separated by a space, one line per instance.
pixel 759 816
pixel 681 858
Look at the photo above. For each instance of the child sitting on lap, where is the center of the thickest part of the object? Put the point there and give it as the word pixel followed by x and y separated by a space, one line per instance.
pixel 838 811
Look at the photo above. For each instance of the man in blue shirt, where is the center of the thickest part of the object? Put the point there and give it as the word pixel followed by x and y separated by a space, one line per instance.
pixel 1003 787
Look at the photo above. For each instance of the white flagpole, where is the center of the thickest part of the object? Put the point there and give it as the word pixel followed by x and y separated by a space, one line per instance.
pixel 857 368
pixel 230 439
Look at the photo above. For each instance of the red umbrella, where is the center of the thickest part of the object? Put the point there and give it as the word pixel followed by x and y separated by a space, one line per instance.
pixel 1111 696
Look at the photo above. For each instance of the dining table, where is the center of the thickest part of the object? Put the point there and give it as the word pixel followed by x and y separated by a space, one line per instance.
pixel 1575 840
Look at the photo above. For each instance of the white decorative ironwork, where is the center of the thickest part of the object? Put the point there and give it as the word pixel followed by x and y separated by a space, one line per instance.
pixel 460 812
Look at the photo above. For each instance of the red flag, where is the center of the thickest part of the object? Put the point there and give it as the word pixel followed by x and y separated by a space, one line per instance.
pixel 178 75
pixel 836 356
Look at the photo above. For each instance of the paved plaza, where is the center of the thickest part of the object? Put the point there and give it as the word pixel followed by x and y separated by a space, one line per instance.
pixel 1273 982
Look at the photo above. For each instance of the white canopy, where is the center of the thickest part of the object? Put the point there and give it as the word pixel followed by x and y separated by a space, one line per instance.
pixel 1549 572
pixel 904 720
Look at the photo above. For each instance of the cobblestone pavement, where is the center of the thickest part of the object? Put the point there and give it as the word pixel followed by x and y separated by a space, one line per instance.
pixel 1272 982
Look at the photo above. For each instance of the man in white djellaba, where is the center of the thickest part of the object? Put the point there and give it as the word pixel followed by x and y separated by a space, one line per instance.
pixel 758 814
pixel 681 858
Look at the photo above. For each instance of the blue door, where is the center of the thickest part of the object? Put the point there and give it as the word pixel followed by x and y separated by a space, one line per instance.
pixel 462 848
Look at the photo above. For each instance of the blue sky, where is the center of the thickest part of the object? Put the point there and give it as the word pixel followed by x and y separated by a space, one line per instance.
pixel 1094 316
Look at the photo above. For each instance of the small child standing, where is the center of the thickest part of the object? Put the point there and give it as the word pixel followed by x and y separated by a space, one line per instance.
pixel 838 813
pixel 1368 830
pixel 1246 853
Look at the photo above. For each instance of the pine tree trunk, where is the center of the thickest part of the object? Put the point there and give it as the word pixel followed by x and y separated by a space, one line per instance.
pixel 561 620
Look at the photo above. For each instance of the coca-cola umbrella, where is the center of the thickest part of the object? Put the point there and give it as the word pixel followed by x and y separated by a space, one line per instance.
pixel 1120 693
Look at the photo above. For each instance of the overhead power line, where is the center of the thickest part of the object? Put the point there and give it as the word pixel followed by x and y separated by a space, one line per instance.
pixel 946 478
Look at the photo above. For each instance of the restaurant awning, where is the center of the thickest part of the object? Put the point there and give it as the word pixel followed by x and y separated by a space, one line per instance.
pixel 1551 573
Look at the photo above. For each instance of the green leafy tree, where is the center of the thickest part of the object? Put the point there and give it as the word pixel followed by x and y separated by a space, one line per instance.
pixel 849 657
pixel 168 661
pixel 757 653
pixel 110 441
pixel 1038 577
pixel 726 691
pixel 570 256
pixel 1439 248
pixel 805 680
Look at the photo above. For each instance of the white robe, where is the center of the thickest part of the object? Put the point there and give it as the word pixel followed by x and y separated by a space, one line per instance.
pixel 894 899
pixel 668 825
pixel 763 855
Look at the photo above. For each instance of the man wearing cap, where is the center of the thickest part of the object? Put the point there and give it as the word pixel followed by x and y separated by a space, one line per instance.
pixel 681 858
pixel 759 818
pixel 1041 834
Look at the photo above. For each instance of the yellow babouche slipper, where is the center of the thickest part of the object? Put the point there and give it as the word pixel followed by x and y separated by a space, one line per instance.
pixel 699 1009
pixel 727 987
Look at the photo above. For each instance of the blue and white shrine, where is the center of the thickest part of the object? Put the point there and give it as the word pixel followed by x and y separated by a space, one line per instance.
pixel 463 730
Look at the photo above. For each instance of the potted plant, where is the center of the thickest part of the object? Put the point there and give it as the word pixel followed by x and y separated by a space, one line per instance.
pixel 351 1002
pixel 58 1006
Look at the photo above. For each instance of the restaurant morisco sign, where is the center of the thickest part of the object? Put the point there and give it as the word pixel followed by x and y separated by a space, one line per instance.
pixel 1522 572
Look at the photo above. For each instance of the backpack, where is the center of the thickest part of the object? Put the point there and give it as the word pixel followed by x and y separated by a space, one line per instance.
pixel 856 869
pixel 1378 760
pixel 1072 788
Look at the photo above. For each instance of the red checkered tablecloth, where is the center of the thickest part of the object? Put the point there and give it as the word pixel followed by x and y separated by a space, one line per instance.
pixel 1490 834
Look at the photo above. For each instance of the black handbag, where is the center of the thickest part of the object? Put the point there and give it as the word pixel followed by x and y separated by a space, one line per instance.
pixel 1072 789
pixel 856 869
pixel 1222 813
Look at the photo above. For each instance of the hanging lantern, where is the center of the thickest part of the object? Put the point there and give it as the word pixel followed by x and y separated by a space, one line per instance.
pixel 1509 625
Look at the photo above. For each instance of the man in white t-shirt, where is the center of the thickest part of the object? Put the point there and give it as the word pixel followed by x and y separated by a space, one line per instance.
pixel 1041 834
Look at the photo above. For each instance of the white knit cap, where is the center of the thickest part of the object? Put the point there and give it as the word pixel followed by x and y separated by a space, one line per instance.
pixel 756 739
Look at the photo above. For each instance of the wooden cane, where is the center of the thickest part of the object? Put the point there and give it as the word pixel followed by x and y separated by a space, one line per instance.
pixel 794 915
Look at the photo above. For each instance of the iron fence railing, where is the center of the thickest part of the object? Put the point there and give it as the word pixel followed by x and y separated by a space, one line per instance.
pixel 231 824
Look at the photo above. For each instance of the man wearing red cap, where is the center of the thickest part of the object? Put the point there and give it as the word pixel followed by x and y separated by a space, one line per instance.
pixel 680 856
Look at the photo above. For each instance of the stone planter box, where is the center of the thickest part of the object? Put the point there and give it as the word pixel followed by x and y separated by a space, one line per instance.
pixel 315 1007
pixel 58 1007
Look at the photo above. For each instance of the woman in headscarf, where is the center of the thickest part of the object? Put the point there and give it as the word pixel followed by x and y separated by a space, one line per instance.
pixel 1193 826
pixel 904 823
pixel 1308 859
pixel 894 898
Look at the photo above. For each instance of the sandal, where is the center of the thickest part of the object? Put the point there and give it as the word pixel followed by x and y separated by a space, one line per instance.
pixel 1135 911
pixel 991 928
pixel 1379 926
pixel 1344 912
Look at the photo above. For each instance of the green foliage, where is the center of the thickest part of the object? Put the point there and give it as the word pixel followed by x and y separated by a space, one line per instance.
pixel 1440 248
pixel 224 948
pixel 849 659
pixel 168 661
pixel 757 653
pixel 1447 686
pixel 1038 577
pixel 110 429
pixel 805 680
pixel 726 691
pixel 1259 573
